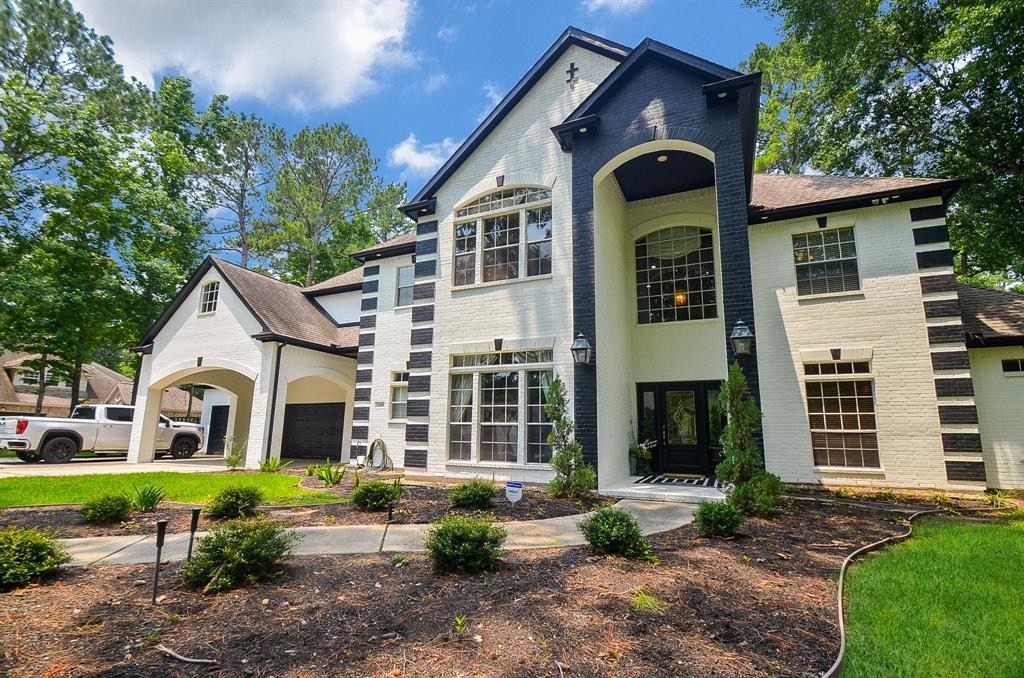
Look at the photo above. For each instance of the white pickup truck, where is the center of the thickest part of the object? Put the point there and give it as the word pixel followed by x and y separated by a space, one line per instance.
pixel 91 428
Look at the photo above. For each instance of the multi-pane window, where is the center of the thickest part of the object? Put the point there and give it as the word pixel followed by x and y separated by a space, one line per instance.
pixel 460 417
pixel 399 394
pixel 675 275
pixel 406 281
pixel 538 450
pixel 495 234
pixel 502 358
pixel 499 416
pixel 208 299
pixel 826 262
pixel 1013 366
pixel 31 378
pixel 841 413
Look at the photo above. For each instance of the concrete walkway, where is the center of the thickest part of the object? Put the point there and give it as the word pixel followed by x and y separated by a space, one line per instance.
pixel 653 516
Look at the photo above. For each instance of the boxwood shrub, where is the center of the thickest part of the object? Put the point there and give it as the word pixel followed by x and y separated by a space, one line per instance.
pixel 239 553
pixel 27 555
pixel 109 508
pixel 375 495
pixel 613 530
pixel 235 502
pixel 465 543
pixel 717 519
pixel 476 494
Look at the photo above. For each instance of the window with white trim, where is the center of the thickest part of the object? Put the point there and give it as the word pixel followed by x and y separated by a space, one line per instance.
pixel 490 244
pixel 31 378
pixel 675 275
pixel 826 262
pixel 841 413
pixel 208 298
pixel 399 394
pixel 1013 366
pixel 404 285
pixel 496 407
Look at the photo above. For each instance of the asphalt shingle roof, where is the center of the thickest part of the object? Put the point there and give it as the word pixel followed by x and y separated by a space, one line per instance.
pixel 781 191
pixel 991 314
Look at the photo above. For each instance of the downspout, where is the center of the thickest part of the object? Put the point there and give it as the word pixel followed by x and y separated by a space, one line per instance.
pixel 273 401
pixel 135 381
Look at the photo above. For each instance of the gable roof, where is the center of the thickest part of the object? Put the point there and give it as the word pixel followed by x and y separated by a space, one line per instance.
pixel 402 244
pixel 346 282
pixel 991 317
pixel 282 310
pixel 571 36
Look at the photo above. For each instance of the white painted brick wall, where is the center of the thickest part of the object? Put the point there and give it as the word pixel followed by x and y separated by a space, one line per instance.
pixel 1000 400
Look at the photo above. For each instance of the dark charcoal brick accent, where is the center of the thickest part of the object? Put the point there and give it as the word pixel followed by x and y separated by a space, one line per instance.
pixel 950 360
pixel 958 414
pixel 928 212
pixel 419 359
pixel 360 414
pixel 416 433
pixel 934 259
pixel 362 395
pixel 948 388
pixel 364 376
pixel 370 286
pixel 927 235
pixel 945 334
pixel 423 291
pixel 965 470
pixel 416 459
pixel 942 309
pixel 836 353
pixel 367 339
pixel 419 383
pixel 426 228
pixel 357 451
pixel 426 246
pixel 418 407
pixel 367 322
pixel 421 336
pixel 961 442
pixel 368 304
pixel 364 358
pixel 945 282
pixel 371 270
pixel 423 314
pixel 426 269
pixel 360 432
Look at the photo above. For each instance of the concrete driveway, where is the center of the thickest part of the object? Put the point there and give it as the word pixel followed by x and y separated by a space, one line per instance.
pixel 15 468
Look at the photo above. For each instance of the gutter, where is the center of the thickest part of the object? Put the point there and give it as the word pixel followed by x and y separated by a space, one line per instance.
pixel 301 343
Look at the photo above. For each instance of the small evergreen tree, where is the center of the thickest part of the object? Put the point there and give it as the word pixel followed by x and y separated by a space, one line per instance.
pixel 574 477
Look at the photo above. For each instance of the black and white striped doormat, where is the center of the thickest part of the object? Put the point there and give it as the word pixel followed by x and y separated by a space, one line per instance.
pixel 659 479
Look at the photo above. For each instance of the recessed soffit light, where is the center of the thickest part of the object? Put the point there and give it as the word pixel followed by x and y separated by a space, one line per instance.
pixel 662 158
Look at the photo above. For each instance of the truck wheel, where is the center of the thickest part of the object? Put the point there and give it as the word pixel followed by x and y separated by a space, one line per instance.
pixel 26 456
pixel 59 450
pixel 183 448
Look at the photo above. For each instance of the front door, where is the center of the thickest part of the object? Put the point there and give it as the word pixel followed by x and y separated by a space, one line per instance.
pixel 685 420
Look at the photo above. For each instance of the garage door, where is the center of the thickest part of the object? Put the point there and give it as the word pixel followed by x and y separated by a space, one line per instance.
pixel 313 431
pixel 218 429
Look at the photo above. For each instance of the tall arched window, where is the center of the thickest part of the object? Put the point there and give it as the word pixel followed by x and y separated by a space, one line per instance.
pixel 675 275
pixel 497 232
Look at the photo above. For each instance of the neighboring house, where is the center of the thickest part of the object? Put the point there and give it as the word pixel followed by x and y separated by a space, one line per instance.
pixel 610 199
pixel 19 389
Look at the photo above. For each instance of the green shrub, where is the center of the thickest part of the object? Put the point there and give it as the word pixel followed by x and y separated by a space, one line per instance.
pixel 741 456
pixel 234 452
pixel 27 555
pixel 376 495
pixel 148 497
pixel 759 496
pixel 109 508
pixel 239 553
pixel 273 465
pixel 465 543
pixel 612 530
pixel 235 502
pixel 717 519
pixel 574 478
pixel 476 494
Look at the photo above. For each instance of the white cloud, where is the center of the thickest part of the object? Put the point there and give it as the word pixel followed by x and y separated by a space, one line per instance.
pixel 301 54
pixel 447 33
pixel 435 82
pixel 615 6
pixel 493 94
pixel 420 160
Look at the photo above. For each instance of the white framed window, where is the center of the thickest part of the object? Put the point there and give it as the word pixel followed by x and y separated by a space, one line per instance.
pixel 841 413
pixel 497 407
pixel 675 275
pixel 404 285
pixel 826 261
pixel 497 233
pixel 1013 367
pixel 31 378
pixel 208 298
pixel 399 394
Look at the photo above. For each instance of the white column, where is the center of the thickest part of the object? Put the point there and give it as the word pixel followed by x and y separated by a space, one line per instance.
pixel 142 443
pixel 260 416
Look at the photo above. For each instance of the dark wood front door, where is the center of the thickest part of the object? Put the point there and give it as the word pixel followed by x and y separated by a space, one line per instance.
pixel 313 431
pixel 218 429
pixel 685 421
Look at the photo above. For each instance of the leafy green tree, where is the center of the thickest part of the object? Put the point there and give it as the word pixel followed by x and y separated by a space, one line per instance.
pixel 574 477
pixel 908 87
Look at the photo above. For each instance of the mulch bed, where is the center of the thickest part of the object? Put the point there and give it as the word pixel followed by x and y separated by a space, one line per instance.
pixel 419 504
pixel 761 604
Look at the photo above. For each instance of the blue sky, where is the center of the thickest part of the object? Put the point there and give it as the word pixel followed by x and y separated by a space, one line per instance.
pixel 414 78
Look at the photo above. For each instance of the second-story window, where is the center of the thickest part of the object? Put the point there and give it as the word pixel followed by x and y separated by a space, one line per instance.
pixel 826 262
pixel 496 234
pixel 406 281
pixel 208 300
pixel 399 394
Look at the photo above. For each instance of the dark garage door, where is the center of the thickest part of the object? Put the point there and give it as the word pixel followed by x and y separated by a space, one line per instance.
pixel 218 429
pixel 313 431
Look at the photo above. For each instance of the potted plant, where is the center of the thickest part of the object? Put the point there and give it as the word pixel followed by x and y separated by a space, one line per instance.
pixel 639 454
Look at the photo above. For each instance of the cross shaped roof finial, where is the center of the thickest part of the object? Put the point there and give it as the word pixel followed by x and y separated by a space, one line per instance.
pixel 571 72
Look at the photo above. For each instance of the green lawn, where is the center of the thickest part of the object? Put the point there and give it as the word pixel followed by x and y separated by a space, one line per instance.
pixel 946 603
pixel 185 487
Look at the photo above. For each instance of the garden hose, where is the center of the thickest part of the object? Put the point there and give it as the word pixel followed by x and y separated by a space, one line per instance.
pixel 379 447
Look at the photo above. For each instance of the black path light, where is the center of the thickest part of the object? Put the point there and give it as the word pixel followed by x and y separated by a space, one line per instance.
pixel 161 531
pixel 192 531
pixel 742 339
pixel 581 350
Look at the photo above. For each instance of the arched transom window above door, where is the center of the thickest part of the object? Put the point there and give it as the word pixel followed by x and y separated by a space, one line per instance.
pixel 675 275
pixel 503 235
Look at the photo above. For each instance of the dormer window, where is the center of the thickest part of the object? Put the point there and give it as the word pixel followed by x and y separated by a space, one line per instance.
pixel 499 232
pixel 208 300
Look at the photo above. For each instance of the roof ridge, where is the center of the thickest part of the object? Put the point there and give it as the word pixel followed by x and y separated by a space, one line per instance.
pixel 245 270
